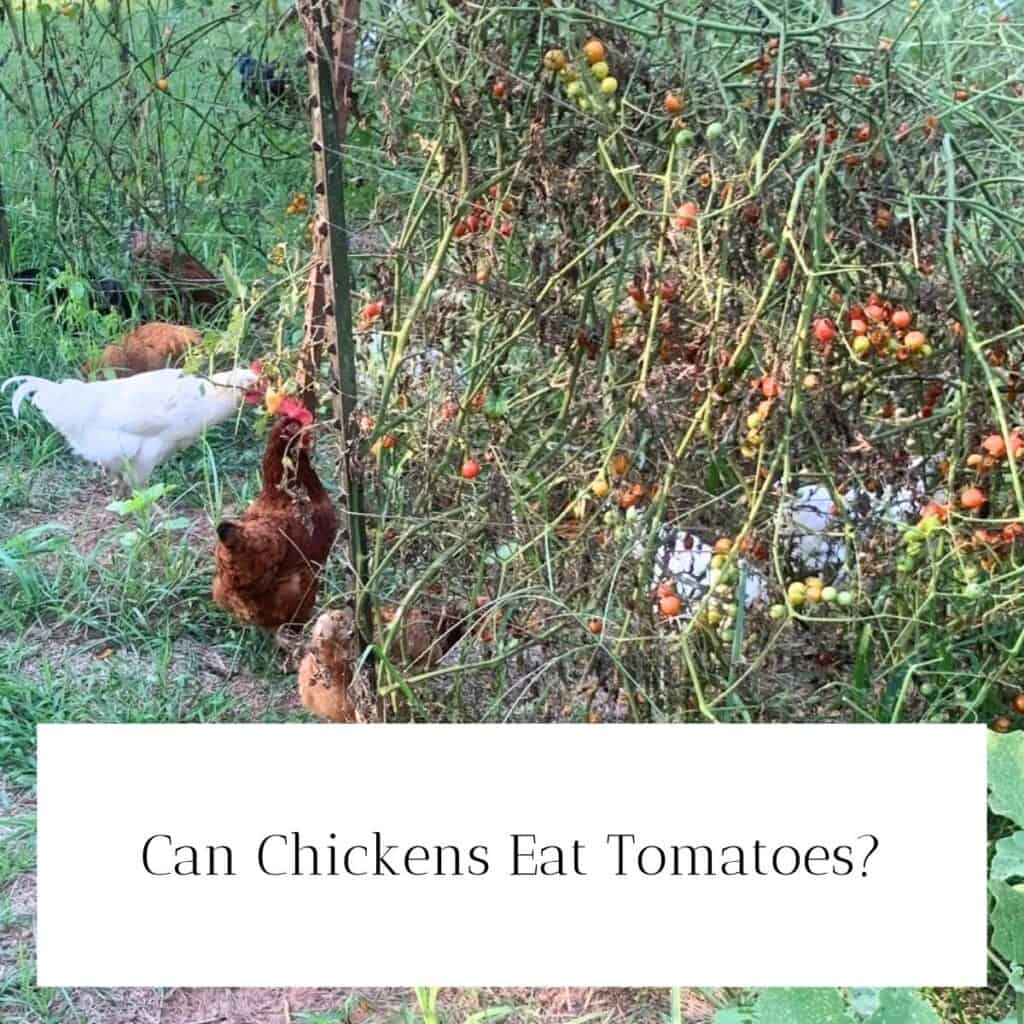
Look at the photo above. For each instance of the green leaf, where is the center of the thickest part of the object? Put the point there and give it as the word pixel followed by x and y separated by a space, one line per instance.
pixel 802 1006
pixel 178 523
pixel 1008 920
pixel 1006 775
pixel 719 476
pixel 862 663
pixel 496 405
pixel 1009 859
pixel 903 1006
pixel 506 551
pixel 735 1015
pixel 493 1013
pixel 233 282
pixel 139 500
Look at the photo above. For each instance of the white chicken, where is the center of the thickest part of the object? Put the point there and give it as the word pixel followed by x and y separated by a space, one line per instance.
pixel 130 426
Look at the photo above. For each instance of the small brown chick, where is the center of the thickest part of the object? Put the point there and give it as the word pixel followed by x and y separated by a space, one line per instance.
pixel 326 670
pixel 150 346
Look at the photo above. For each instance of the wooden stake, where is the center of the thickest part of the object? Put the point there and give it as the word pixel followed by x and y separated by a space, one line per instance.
pixel 330 27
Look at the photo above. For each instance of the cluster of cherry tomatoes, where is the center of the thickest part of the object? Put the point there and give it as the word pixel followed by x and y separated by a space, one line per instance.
pixel 589 95
pixel 298 205
pixel 481 219
pixel 877 328
pixel 811 591
pixel 1004 723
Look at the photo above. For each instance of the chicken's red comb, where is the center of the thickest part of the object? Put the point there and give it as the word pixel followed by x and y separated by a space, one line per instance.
pixel 295 410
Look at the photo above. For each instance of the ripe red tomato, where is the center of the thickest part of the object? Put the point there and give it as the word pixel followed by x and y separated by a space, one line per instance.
pixel 470 469
pixel 498 90
pixel 901 319
pixel 824 330
pixel 863 133
pixel 670 606
pixel 806 80
pixel 673 104
pixel 593 50
pixel 505 229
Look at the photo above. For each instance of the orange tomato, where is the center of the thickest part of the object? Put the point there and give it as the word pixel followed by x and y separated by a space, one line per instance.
pixel 686 215
pixel 994 445
pixel 972 498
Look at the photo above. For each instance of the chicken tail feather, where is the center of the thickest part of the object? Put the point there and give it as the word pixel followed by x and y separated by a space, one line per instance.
pixel 27 387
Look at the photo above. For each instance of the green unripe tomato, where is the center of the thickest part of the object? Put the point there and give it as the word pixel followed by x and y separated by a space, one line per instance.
pixel 599 70
pixel 861 345
pixel 844 599
pixel 913 550
pixel 829 594
pixel 609 86
pixel 574 89
pixel 927 689
pixel 904 566
pixel 913 536
pixel 972 591
pixel 777 611
pixel 583 103
pixel 684 137
pixel 713 132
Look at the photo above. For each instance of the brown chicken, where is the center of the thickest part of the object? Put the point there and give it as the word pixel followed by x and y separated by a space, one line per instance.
pixel 326 670
pixel 175 274
pixel 425 637
pixel 269 561
pixel 149 347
